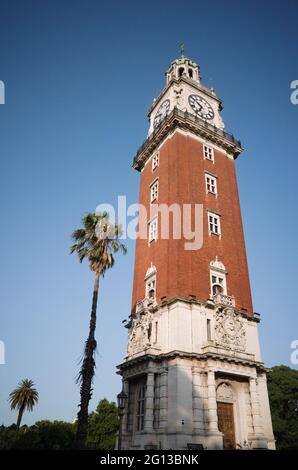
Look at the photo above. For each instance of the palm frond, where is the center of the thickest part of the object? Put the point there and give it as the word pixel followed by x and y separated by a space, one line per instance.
pixel 97 250
pixel 25 395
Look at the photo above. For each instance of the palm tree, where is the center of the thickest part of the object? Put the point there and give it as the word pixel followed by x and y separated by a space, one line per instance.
pixel 22 397
pixel 96 241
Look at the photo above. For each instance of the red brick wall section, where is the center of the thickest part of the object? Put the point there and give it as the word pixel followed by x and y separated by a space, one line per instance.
pixel 182 180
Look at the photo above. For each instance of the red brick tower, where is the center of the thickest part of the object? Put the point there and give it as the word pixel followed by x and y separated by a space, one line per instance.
pixel 193 373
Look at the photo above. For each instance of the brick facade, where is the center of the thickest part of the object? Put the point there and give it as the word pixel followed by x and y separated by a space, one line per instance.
pixel 181 174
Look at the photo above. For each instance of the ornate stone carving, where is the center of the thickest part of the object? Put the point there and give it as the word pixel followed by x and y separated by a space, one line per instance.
pixel 222 299
pixel 179 98
pixel 217 265
pixel 150 271
pixel 229 329
pixel 224 392
pixel 139 336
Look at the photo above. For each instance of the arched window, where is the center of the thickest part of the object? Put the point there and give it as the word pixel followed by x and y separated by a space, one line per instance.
pixel 217 288
pixel 150 281
pixel 218 281
pixel 151 293
pixel 150 288
pixel 190 73
pixel 181 71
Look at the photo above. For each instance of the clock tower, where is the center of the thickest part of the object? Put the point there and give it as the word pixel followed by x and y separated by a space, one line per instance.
pixel 193 373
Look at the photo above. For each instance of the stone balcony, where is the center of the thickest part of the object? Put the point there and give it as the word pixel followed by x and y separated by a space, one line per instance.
pixel 145 304
pixel 226 300
pixel 186 121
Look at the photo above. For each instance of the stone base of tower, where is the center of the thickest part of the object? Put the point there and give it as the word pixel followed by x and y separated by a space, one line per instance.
pixel 208 392
pixel 189 401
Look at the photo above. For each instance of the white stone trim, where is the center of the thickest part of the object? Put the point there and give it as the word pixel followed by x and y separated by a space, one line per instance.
pixel 212 184
pixel 215 223
pixel 155 161
pixel 154 190
pixel 153 232
pixel 208 153
pixel 150 271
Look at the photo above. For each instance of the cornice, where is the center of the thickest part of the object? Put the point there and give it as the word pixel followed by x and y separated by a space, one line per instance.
pixel 146 358
pixel 207 304
pixel 178 119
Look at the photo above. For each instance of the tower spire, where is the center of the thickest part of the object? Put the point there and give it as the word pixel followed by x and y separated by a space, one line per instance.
pixel 182 50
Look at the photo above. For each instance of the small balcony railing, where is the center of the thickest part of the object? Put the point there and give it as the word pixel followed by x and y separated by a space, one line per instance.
pixel 145 304
pixel 191 118
pixel 223 299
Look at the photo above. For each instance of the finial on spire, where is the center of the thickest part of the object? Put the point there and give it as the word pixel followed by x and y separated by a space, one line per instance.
pixel 182 50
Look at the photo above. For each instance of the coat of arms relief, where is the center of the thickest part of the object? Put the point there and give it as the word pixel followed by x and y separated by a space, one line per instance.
pixel 230 329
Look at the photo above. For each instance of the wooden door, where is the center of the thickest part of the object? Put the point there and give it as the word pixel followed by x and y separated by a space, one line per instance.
pixel 225 416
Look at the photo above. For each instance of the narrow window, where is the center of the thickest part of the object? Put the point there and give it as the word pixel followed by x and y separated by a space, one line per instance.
pixel 208 153
pixel 214 223
pixel 155 161
pixel 154 191
pixel 150 288
pixel 208 329
pixel 218 284
pixel 211 184
pixel 156 332
pixel 153 230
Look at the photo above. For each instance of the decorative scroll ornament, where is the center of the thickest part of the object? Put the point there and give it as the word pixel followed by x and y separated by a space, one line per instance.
pixel 217 265
pixel 224 392
pixel 139 336
pixel 229 329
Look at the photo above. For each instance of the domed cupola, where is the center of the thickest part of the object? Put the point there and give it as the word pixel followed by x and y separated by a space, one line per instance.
pixel 183 67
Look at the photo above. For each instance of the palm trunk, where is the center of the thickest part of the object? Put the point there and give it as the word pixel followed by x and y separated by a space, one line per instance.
pixel 20 415
pixel 87 373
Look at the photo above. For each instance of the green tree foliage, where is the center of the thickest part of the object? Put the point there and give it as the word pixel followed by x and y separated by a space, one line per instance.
pixel 283 397
pixel 103 426
pixel 25 396
pixel 8 436
pixel 55 435
pixel 43 435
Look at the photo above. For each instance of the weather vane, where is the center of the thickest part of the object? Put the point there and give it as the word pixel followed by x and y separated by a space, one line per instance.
pixel 182 50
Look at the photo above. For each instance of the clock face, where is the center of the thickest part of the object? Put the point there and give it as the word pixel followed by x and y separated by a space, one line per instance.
pixel 161 113
pixel 201 107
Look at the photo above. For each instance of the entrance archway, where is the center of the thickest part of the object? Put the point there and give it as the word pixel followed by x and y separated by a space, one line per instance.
pixel 225 414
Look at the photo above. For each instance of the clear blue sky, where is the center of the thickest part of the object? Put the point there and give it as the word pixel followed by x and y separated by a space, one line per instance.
pixel 80 77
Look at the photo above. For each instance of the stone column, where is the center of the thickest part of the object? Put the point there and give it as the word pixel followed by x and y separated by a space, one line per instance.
pixel 255 407
pixel 198 407
pixel 163 399
pixel 149 406
pixel 125 416
pixel 212 405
